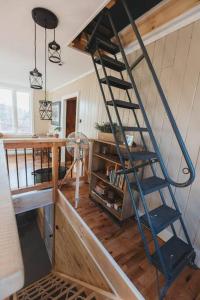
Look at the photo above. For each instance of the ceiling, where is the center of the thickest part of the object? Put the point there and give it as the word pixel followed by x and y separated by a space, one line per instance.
pixel 17 37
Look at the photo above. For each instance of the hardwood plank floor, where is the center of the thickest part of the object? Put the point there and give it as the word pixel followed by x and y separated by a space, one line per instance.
pixel 124 243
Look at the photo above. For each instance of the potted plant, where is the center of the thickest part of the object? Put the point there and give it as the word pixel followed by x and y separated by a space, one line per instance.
pixel 105 131
pixel 57 130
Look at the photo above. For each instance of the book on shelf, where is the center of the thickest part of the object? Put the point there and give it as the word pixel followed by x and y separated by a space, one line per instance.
pixel 118 206
pixel 117 180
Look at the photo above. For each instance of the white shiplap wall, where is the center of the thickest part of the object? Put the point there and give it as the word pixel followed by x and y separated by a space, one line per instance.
pixel 176 58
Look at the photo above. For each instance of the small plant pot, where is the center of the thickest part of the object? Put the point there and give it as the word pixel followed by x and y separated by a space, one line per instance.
pixel 107 137
pixel 56 135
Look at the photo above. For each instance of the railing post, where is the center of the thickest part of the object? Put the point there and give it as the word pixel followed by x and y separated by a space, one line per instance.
pixel 55 163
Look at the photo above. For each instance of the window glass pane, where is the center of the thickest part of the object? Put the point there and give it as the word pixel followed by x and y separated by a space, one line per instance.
pixel 6 111
pixel 23 112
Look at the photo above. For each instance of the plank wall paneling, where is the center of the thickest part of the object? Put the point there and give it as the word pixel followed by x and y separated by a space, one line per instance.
pixel 71 257
pixel 176 60
pixel 79 254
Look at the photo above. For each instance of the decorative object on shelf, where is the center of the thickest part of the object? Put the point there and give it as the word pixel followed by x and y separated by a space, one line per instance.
pixel 130 140
pixel 105 132
pixel 77 146
pixel 54 51
pixel 57 130
pixel 118 206
pixel 35 77
pixel 48 20
pixel 56 112
pixel 101 188
pixel 111 195
pixel 104 150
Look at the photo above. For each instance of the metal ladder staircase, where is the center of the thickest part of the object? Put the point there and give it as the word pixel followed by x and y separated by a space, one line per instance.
pixel 171 257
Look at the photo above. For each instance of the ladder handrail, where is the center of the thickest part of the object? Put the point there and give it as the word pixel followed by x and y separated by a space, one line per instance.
pixel 176 131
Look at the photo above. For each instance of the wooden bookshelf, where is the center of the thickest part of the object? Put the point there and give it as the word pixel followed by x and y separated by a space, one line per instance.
pixel 104 157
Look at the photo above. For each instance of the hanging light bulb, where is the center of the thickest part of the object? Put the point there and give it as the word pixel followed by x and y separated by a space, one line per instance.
pixel 35 77
pixel 54 51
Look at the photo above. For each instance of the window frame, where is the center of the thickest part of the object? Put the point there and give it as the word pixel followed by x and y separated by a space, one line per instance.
pixel 14 91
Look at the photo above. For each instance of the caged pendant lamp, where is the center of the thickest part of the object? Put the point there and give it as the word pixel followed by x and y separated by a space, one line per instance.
pixel 54 51
pixel 48 20
pixel 35 77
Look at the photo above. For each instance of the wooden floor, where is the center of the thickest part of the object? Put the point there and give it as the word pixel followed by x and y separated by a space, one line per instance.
pixel 125 245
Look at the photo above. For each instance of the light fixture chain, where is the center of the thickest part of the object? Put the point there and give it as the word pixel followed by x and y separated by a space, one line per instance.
pixel 45 63
pixel 35 48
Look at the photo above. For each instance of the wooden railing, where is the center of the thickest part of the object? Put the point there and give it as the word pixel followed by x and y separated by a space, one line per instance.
pixel 35 164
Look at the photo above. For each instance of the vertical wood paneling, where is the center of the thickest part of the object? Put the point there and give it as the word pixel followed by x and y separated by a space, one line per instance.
pixel 176 60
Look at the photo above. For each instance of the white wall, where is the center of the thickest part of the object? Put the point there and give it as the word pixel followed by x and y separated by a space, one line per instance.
pixel 40 126
pixel 176 60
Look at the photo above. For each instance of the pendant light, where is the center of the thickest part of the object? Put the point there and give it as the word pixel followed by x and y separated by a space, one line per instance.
pixel 45 105
pixel 35 77
pixel 48 20
pixel 54 51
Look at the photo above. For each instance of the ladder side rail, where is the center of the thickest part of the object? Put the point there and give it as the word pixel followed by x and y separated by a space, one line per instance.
pixel 153 140
pixel 155 238
pixel 95 28
pixel 123 166
pixel 166 106
pixel 134 113
pixel 180 218
pixel 145 146
pixel 141 135
pixel 144 143
pixel 135 116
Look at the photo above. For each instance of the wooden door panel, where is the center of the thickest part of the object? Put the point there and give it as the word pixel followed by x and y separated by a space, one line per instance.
pixel 70 116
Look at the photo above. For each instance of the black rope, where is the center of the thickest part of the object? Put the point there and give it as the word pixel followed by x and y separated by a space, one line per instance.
pixel 35 47
pixel 45 87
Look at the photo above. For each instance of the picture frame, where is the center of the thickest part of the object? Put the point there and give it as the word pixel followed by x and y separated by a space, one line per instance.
pixel 56 113
pixel 130 139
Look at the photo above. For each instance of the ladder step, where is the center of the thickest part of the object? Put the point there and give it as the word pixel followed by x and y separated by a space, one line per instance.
pixel 118 83
pixel 141 129
pixel 161 217
pixel 151 184
pixel 141 155
pixel 102 30
pixel 176 255
pixel 123 104
pixel 111 63
pixel 106 45
pixel 137 167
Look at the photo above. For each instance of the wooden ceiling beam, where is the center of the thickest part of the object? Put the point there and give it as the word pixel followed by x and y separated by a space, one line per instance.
pixel 157 17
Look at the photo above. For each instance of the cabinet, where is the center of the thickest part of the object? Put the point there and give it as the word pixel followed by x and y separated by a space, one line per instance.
pixel 106 187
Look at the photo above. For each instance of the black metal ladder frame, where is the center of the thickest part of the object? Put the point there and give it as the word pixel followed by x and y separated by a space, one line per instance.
pixel 134 168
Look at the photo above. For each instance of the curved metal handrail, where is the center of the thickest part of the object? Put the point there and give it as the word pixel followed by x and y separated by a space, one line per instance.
pixel 176 131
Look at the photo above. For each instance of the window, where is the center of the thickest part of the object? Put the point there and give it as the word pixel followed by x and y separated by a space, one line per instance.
pixel 15 112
